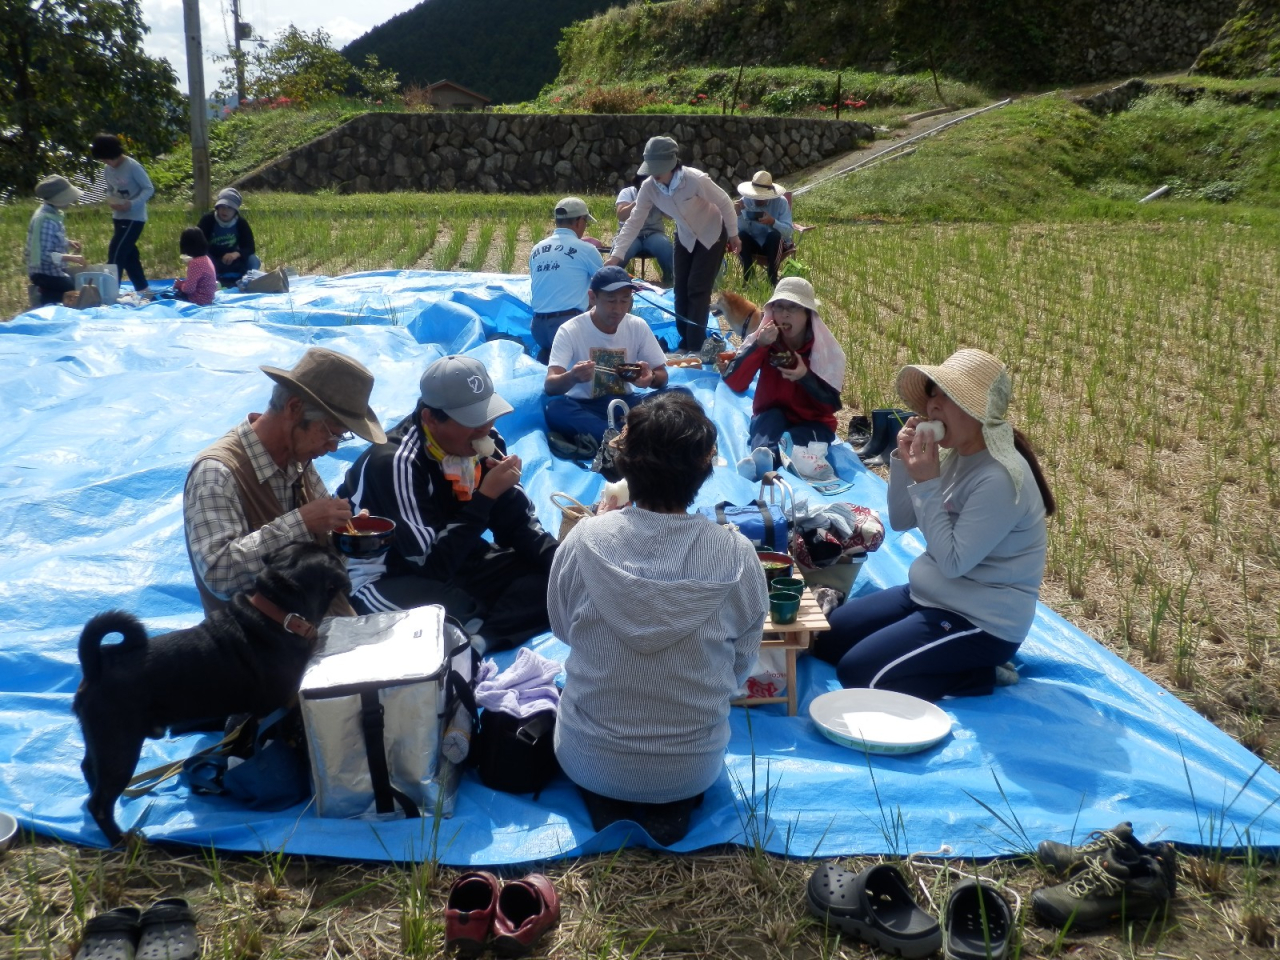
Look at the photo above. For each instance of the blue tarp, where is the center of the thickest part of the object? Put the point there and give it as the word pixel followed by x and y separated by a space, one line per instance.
pixel 106 408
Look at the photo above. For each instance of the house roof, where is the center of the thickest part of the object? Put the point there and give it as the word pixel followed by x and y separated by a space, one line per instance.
pixel 442 84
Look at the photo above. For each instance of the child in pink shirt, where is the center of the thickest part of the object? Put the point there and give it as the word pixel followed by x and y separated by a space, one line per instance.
pixel 201 280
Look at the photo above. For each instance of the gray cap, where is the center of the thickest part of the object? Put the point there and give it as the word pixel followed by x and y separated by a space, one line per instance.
pixel 661 154
pixel 462 388
pixel 58 191
pixel 571 208
pixel 230 197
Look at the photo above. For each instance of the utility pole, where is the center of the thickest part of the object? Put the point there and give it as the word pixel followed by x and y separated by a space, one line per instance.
pixel 240 31
pixel 196 104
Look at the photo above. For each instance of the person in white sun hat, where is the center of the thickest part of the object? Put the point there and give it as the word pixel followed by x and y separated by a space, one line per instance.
pixel 764 222
pixel 970 483
pixel 801 370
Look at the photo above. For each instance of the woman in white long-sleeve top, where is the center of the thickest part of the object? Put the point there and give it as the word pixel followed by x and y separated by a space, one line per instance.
pixel 663 611
pixel 975 491
pixel 706 223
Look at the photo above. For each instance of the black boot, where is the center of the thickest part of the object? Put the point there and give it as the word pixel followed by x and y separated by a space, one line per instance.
pixel 885 425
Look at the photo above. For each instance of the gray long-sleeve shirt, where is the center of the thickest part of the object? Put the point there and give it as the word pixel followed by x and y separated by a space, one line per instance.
pixel 663 614
pixel 984 554
pixel 129 181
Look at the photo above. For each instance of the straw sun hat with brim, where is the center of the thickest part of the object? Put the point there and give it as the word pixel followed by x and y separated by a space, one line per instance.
pixel 979 384
pixel 338 385
pixel 761 187
pixel 58 191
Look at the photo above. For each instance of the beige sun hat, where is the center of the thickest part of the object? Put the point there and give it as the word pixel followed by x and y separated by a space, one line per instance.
pixel 339 385
pixel 761 187
pixel 974 379
pixel 980 385
pixel 796 290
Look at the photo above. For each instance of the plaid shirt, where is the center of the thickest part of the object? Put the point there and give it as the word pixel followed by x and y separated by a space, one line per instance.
pixel 52 239
pixel 228 555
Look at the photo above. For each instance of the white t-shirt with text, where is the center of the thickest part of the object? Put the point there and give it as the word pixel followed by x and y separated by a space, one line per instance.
pixel 579 339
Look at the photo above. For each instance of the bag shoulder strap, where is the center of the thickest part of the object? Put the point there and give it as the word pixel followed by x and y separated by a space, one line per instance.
pixel 373 723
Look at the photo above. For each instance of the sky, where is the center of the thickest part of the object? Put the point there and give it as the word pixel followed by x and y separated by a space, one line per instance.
pixel 342 19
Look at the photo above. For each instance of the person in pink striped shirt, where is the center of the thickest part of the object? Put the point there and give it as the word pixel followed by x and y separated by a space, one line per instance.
pixel 201 280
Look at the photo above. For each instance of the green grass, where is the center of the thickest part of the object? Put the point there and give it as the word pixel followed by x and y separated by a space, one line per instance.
pixel 1044 158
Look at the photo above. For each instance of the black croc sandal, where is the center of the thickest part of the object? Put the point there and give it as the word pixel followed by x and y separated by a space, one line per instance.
pixel 978 923
pixel 112 935
pixel 168 931
pixel 876 907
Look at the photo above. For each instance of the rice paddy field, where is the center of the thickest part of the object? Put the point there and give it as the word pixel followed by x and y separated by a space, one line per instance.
pixel 1145 357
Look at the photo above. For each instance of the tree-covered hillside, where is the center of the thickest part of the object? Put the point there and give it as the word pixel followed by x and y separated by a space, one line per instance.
pixel 504 49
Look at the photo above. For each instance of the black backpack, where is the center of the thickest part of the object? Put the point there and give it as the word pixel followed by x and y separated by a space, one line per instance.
pixel 516 754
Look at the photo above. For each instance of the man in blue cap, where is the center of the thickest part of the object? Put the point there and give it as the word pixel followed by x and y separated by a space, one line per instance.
pixel 445 478
pixel 560 268
pixel 600 356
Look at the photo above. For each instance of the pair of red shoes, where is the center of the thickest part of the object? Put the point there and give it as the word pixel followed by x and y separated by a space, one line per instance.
pixel 515 913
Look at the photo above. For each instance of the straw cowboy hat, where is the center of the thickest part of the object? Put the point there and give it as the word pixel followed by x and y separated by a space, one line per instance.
pixel 338 385
pixel 761 187
pixel 974 379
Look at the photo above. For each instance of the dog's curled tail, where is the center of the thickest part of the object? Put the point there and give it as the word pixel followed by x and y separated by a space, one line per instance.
pixel 103 625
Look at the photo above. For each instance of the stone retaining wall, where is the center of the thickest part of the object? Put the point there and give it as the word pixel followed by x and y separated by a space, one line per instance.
pixel 1120 98
pixel 518 153
pixel 1116 39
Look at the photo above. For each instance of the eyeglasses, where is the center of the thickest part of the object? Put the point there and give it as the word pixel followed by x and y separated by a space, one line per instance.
pixel 339 438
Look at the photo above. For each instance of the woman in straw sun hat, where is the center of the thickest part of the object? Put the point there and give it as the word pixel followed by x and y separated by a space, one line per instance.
pixel 979 498
pixel 706 224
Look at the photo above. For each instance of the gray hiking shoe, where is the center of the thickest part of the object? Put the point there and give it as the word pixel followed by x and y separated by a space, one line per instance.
pixel 1118 884
pixel 1062 859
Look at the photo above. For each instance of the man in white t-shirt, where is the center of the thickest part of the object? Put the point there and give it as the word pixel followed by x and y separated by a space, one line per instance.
pixel 583 373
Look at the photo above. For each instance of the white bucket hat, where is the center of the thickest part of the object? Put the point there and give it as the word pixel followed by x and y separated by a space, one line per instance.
pixel 795 290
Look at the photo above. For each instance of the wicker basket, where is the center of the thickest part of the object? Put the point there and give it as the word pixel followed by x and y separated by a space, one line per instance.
pixel 571 511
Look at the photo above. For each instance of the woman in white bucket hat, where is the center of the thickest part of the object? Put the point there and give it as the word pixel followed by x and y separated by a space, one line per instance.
pixel 974 489
pixel 801 373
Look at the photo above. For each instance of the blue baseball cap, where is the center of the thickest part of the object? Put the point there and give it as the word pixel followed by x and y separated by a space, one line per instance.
pixel 608 279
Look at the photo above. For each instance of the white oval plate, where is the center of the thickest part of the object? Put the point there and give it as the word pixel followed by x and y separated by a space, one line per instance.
pixel 879 721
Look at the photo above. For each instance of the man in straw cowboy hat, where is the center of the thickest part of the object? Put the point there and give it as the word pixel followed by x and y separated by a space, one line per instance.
pixel 255 490
pixel 764 222
pixel 48 249
pixel 445 477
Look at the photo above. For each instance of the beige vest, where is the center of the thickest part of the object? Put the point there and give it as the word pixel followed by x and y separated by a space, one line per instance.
pixel 260 507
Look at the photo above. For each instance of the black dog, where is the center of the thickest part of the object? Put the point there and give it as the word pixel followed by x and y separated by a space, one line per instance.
pixel 248 658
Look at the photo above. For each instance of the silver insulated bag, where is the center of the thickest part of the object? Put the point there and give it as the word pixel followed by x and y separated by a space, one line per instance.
pixel 376 700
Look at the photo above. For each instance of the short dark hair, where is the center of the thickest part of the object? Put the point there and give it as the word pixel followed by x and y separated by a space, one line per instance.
pixel 192 243
pixel 667 451
pixel 106 146
pixel 435 413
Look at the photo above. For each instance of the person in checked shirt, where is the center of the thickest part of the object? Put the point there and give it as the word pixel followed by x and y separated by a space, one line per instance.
pixel 255 490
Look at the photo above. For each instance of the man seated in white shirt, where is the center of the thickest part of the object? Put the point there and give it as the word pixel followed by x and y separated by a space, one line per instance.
pixel 599 356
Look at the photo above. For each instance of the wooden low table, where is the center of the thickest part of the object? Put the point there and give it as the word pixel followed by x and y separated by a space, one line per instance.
pixel 792 637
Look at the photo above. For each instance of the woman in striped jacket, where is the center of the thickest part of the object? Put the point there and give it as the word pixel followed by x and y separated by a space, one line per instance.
pixel 663 611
